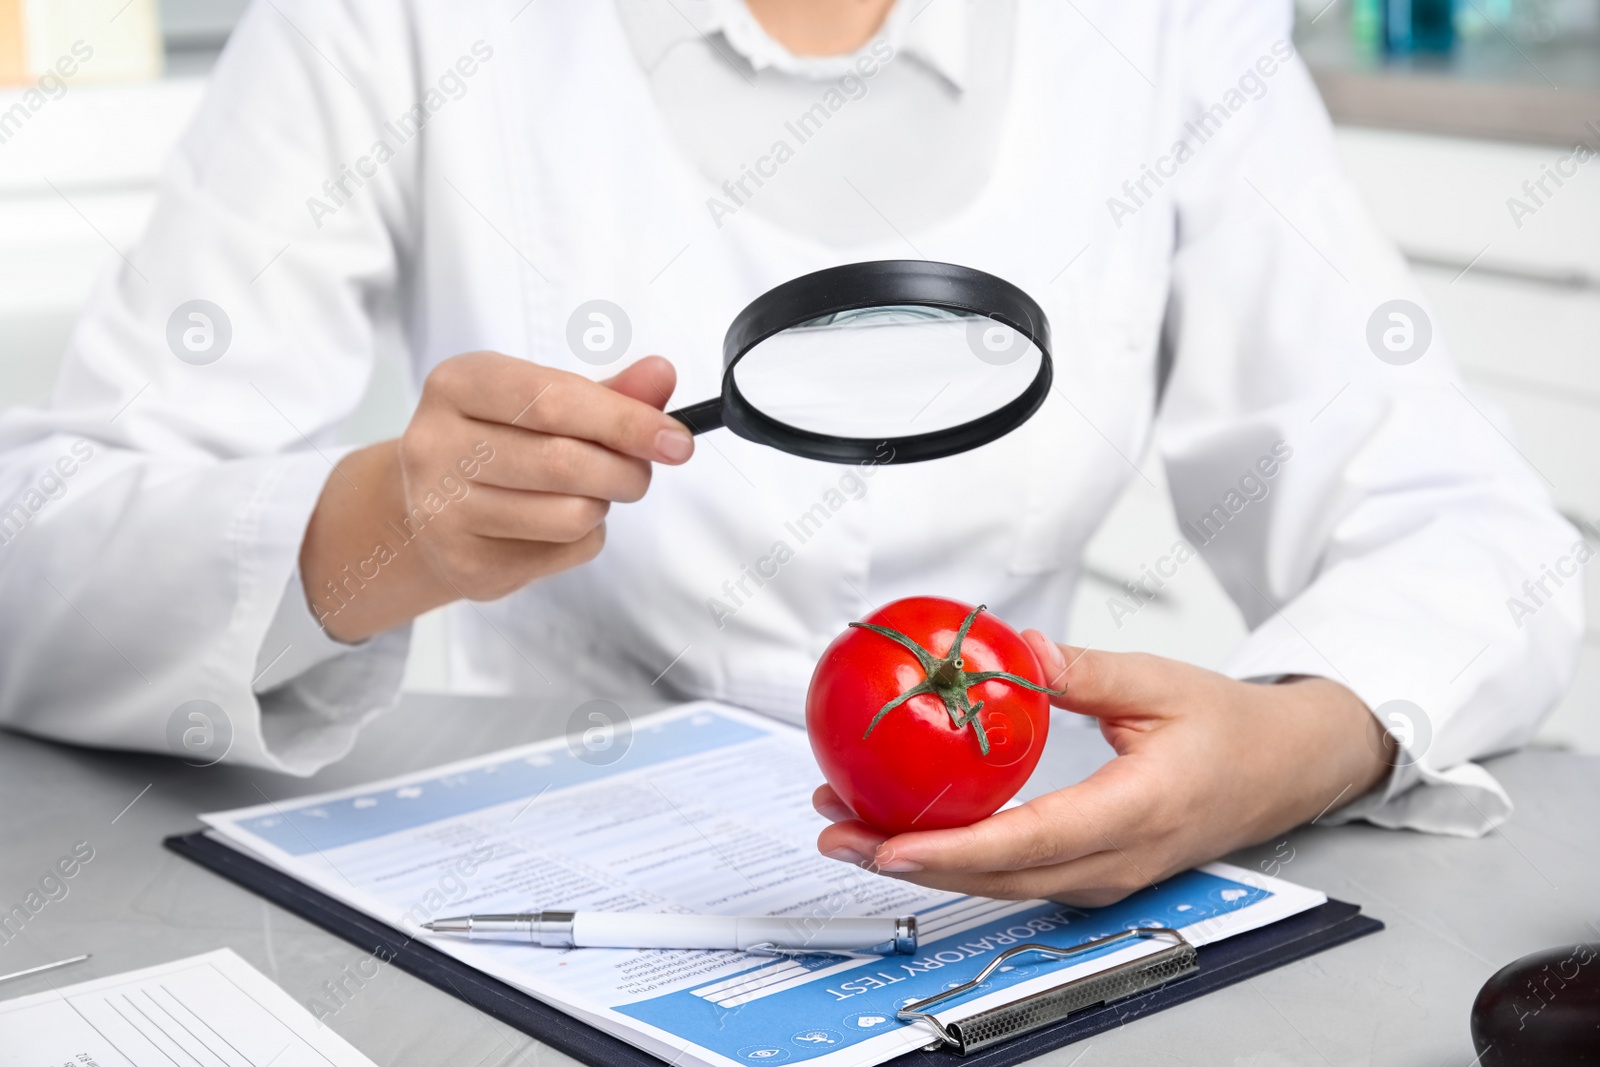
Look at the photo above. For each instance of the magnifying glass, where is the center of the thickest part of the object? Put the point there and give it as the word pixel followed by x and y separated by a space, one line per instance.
pixel 911 358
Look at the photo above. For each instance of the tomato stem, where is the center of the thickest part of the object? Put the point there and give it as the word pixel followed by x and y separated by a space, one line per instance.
pixel 947 678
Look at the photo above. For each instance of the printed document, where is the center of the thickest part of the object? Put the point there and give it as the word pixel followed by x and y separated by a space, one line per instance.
pixel 213 1010
pixel 701 809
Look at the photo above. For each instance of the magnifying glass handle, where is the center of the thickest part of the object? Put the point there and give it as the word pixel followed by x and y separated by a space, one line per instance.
pixel 706 415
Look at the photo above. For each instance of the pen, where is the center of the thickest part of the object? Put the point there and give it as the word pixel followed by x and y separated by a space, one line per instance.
pixel 771 934
pixel 42 967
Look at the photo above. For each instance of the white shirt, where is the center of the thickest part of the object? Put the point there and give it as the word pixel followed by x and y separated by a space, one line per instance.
pixel 916 140
pixel 1380 551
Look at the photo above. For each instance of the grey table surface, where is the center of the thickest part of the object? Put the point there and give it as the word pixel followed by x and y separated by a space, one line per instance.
pixel 1456 910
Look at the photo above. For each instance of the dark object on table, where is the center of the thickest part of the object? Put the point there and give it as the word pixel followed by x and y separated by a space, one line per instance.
pixel 1541 1011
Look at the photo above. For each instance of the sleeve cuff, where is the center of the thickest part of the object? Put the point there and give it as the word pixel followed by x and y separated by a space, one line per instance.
pixel 295 641
pixel 313 693
pixel 313 719
pixel 316 692
pixel 1460 800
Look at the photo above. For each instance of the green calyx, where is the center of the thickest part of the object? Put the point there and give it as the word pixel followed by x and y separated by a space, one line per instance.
pixel 948 679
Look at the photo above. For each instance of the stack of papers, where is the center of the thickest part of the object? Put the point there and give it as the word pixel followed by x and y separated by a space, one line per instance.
pixel 708 811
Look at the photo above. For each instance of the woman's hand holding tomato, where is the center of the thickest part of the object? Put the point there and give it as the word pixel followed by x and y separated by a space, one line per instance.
pixel 1205 765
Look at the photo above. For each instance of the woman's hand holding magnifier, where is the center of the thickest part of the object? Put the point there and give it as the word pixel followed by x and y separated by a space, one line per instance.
pixel 511 467
pixel 503 476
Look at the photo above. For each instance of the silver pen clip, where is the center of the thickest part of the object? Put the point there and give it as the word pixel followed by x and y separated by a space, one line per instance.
pixel 767 948
pixel 904 943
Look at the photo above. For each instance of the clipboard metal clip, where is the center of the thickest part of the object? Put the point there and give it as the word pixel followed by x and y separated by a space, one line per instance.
pixel 1051 1005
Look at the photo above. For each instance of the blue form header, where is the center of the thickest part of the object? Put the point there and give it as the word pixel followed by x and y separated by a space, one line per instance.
pixel 316 826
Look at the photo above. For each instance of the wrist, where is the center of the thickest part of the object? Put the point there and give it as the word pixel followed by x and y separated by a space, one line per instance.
pixel 1351 752
pixel 360 578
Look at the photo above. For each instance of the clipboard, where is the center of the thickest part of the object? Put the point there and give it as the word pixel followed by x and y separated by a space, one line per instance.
pixel 1212 966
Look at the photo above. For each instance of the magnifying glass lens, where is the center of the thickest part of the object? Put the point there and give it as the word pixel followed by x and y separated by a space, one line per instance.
pixel 887 372
pixel 835 364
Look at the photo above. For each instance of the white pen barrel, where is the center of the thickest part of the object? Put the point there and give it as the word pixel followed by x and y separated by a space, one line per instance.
pixel 599 929
pixel 637 930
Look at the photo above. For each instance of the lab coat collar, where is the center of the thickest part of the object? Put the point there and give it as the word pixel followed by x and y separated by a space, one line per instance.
pixel 933 32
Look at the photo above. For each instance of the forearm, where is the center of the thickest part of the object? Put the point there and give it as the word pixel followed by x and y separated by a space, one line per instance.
pixel 362 574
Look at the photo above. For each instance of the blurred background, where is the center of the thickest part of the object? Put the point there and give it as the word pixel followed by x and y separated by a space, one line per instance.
pixel 1445 108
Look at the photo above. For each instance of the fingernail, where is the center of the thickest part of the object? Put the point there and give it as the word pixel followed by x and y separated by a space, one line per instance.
pixel 674 446
pixel 835 812
pixel 887 861
pixel 846 855
pixel 1052 652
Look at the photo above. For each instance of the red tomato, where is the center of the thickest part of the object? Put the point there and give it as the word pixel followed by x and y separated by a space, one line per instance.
pixel 954 750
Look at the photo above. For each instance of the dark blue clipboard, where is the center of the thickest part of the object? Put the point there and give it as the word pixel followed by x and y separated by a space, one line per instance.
pixel 1223 963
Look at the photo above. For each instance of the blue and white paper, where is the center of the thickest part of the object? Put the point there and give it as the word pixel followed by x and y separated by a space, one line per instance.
pixel 707 812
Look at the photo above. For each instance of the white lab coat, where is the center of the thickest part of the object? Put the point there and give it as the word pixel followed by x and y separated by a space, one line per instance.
pixel 1383 555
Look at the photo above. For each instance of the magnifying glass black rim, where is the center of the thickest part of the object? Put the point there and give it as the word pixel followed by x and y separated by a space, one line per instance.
pixel 881 283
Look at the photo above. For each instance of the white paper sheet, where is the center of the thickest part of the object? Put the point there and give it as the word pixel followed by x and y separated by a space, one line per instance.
pixel 707 811
pixel 213 1010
